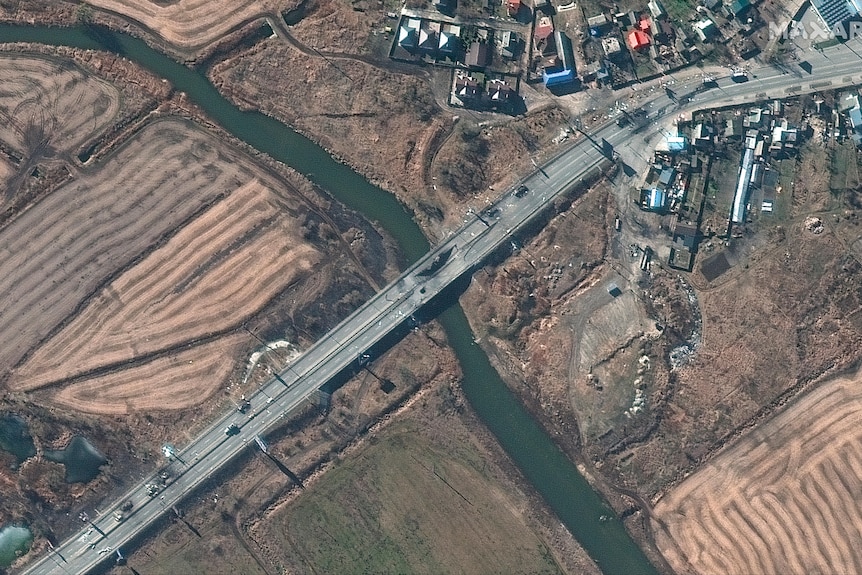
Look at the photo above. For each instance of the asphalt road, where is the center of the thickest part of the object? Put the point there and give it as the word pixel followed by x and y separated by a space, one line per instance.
pixel 479 236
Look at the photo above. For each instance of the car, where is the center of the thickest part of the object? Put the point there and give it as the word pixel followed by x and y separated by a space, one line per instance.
pixel 231 430
pixel 521 191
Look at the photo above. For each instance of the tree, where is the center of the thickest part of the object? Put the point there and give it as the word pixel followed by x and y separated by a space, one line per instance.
pixel 84 14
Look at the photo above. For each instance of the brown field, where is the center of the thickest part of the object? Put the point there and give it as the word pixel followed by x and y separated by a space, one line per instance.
pixel 57 253
pixel 175 381
pixel 182 291
pixel 155 257
pixel 6 169
pixel 49 107
pixel 782 499
pixel 190 23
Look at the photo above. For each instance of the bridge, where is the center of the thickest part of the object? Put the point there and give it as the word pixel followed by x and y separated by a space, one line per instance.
pixel 480 235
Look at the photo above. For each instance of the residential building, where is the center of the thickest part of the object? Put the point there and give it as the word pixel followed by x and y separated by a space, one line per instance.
pixel 477 55
pixel 564 71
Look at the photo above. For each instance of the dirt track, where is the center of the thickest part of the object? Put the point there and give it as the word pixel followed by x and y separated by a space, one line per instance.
pixel 783 499
pixel 190 23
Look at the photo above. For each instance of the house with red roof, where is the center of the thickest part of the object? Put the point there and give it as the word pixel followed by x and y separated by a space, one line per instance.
pixel 637 39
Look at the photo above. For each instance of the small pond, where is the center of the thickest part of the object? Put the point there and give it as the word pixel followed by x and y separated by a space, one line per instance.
pixel 15 541
pixel 15 438
pixel 81 459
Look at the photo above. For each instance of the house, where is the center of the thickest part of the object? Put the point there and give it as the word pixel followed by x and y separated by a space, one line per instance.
pixel 544 29
pixel 738 8
pixel 848 101
pixel 637 40
pixel 702 135
pixel 466 87
pixel 512 7
pixel 671 144
pixel 653 199
pixel 754 119
pixel 611 45
pixel 705 29
pixel 564 71
pixel 598 25
pixel 408 33
pixel 712 5
pixel 450 39
pixel 666 177
pixel 499 92
pixel 509 43
pixel 428 36
pixel 733 127
pixel 645 24
pixel 855 116
pixel 656 9
pixel 477 55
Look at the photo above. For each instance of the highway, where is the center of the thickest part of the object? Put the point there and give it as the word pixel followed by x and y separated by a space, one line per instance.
pixel 460 253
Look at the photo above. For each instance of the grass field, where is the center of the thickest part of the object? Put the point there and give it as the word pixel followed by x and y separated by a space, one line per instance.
pixel 782 499
pixel 190 23
pixel 405 505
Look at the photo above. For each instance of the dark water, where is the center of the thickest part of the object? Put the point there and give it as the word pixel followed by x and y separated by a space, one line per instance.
pixel 553 475
pixel 15 540
pixel 81 459
pixel 15 438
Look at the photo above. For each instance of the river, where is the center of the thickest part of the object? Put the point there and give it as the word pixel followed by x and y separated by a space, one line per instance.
pixel 542 462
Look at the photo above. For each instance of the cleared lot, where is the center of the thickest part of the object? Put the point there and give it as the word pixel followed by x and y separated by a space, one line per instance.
pixel 782 499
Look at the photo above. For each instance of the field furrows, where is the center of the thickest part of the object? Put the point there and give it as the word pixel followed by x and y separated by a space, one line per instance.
pixel 783 499
pixel 177 381
pixel 60 251
pixel 190 23
pixel 217 271
pixel 48 107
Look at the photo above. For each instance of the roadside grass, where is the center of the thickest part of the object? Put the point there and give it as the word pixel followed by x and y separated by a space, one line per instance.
pixel 216 552
pixel 406 505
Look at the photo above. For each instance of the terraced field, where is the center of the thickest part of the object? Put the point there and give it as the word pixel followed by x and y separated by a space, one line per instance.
pixel 782 499
pixel 190 23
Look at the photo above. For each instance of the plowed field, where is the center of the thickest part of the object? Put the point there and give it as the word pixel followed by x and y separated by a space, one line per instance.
pixel 133 278
pixel 49 106
pixel 782 499
pixel 190 23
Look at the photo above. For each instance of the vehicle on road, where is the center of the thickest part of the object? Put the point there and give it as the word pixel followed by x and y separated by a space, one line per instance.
pixel 231 430
pixel 521 191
